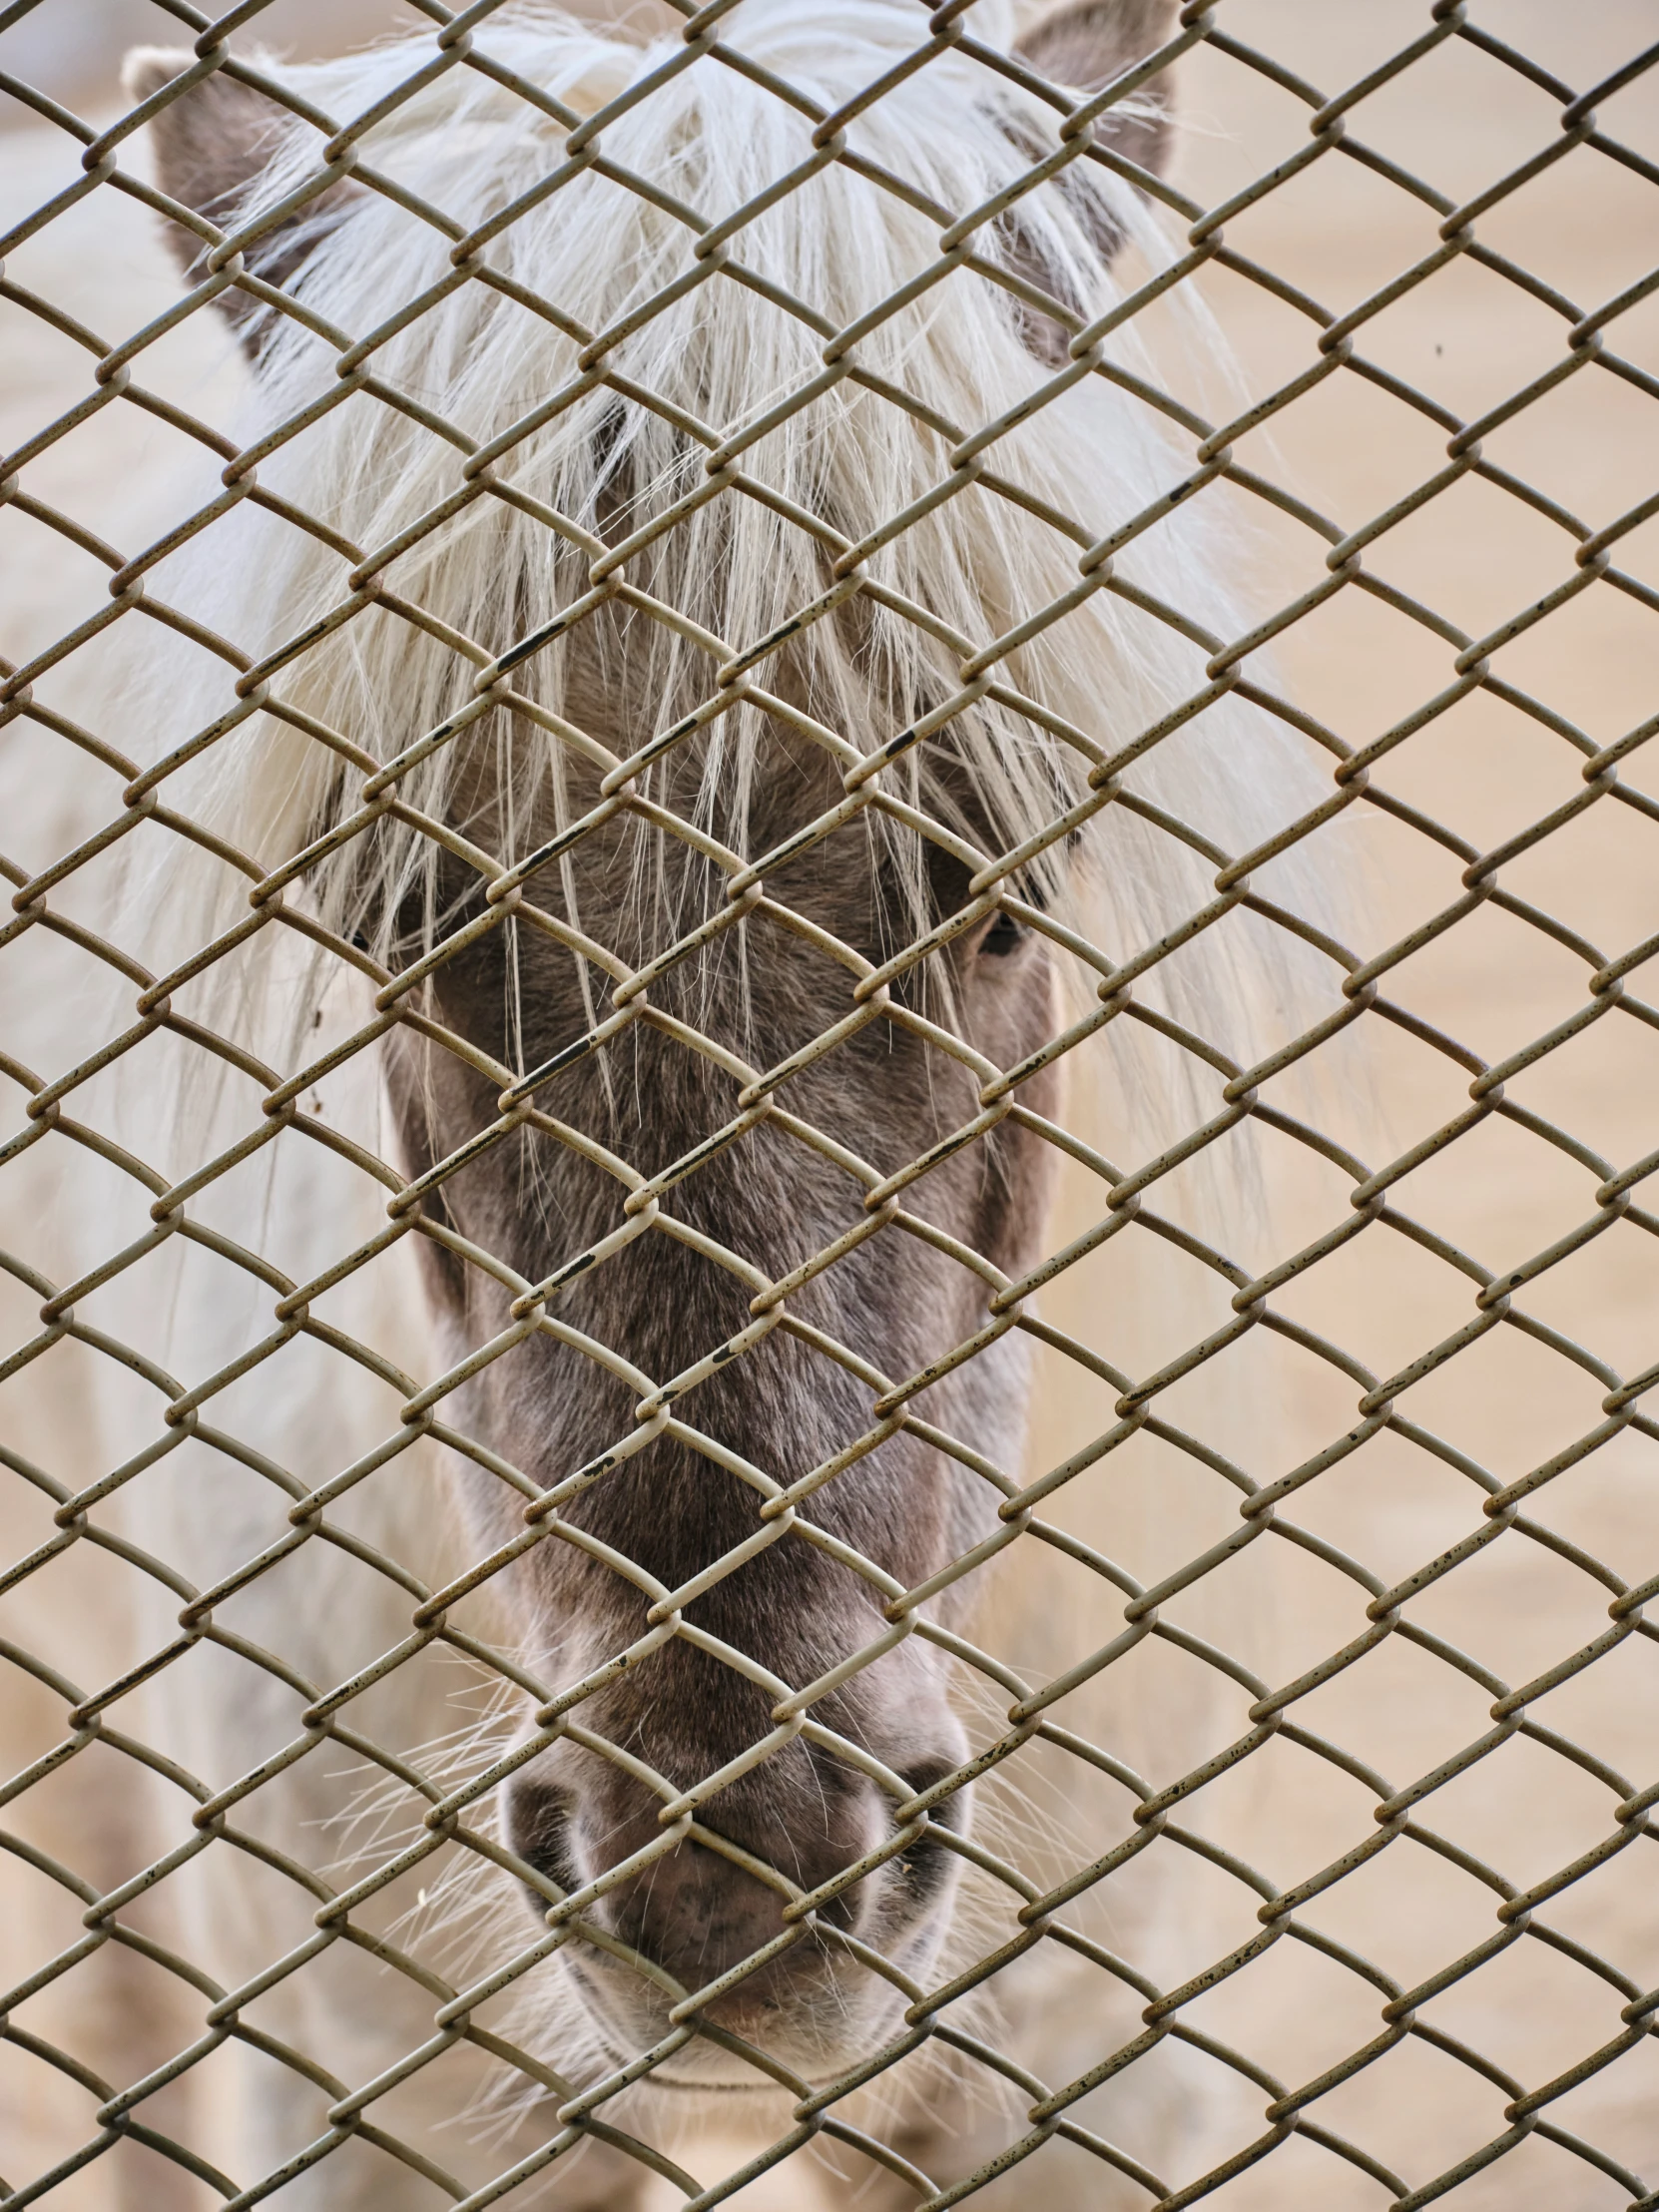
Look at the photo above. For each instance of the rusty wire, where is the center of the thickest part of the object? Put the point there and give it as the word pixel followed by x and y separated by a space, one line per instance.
pixel 577 2110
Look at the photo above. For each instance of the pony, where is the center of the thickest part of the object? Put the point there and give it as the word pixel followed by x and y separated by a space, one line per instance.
pixel 671 686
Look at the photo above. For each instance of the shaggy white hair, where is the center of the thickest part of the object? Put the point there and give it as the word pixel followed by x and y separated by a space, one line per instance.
pixel 715 352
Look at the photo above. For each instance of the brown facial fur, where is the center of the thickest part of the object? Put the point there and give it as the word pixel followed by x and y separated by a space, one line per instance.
pixel 783 1406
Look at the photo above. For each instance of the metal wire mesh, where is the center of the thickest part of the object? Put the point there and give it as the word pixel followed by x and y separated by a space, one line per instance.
pixel 143 2107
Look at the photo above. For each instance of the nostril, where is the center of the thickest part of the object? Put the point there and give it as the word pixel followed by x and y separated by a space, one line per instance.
pixel 927 1864
pixel 925 1774
pixel 539 1832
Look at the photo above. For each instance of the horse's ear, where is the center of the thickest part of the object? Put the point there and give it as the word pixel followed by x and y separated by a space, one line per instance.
pixel 209 144
pixel 1084 46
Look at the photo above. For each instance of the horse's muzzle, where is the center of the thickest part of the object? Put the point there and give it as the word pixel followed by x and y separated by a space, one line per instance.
pixel 740 1917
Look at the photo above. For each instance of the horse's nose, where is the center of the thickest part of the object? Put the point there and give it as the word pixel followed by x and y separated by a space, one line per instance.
pixel 800 1824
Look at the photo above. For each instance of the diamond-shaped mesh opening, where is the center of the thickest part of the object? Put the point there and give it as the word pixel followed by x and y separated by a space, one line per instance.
pixel 827 1022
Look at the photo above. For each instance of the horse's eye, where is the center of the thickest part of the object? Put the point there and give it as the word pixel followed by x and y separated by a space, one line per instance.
pixel 1004 935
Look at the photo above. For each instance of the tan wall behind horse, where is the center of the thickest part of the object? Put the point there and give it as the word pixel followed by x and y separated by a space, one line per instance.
pixel 1469 340
pixel 72 49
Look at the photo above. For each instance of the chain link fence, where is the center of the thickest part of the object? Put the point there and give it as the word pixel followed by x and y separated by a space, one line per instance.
pixel 1292 1653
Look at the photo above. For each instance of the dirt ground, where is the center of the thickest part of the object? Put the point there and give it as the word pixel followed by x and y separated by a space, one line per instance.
pixel 1507 1190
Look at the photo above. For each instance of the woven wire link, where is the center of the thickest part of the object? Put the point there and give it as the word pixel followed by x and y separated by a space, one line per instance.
pixel 1404 1814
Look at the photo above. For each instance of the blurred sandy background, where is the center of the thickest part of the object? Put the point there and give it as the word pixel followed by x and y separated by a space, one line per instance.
pixel 1468 337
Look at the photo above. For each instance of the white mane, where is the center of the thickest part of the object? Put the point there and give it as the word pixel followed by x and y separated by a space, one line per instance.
pixel 715 358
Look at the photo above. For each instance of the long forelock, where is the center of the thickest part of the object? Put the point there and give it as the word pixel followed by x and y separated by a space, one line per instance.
pixel 719 355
